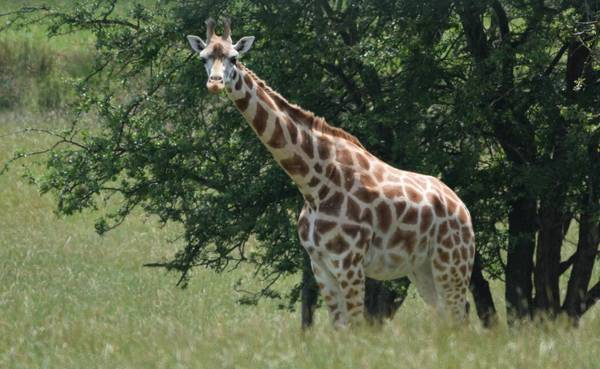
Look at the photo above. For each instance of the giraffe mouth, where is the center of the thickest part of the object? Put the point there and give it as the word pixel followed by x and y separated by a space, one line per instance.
pixel 215 87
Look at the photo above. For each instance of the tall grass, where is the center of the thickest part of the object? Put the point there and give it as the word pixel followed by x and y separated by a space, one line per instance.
pixel 72 299
pixel 36 74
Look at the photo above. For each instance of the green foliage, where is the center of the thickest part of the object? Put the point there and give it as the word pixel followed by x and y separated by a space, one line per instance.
pixel 404 77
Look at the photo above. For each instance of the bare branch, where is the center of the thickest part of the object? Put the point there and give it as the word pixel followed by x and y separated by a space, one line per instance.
pixel 565 265
pixel 592 297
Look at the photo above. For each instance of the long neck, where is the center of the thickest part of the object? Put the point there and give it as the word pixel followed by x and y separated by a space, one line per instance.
pixel 308 149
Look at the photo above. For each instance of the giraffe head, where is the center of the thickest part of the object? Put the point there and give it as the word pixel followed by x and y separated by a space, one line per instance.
pixel 219 55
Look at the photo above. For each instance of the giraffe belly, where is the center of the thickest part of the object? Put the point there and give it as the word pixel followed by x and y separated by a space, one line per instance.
pixel 390 262
pixel 383 265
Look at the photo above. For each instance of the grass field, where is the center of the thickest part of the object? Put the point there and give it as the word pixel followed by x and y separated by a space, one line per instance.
pixel 72 299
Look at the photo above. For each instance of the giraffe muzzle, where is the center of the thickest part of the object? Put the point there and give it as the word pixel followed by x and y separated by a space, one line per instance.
pixel 215 86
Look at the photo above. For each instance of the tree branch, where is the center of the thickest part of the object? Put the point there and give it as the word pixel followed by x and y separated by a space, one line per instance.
pixel 351 86
pixel 592 297
pixel 565 265
pixel 502 20
pixel 556 59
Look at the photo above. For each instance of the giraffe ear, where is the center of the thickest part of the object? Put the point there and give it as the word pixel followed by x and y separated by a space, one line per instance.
pixel 244 44
pixel 196 43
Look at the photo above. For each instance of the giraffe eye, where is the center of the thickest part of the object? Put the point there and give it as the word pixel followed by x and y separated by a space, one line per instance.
pixel 204 60
pixel 233 60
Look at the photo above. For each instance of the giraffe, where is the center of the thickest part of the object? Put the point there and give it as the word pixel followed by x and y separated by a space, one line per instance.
pixel 361 216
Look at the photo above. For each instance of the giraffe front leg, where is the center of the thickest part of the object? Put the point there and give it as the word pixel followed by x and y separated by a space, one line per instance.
pixel 351 278
pixel 342 285
pixel 331 293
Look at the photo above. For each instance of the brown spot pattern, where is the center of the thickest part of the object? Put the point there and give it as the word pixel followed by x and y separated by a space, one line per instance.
pixel 265 98
pixel 462 215
pixel 451 205
pixel 314 181
pixel 238 84
pixel 379 172
pixel 366 195
pixel 307 145
pixel 351 229
pixel 439 266
pixel 347 261
pixel 248 81
pixel 333 204
pixel 392 192
pixel 384 216
pixel 292 130
pixel 337 245
pixel 466 234
pixel 426 218
pixel 437 204
pixel 260 119
pixel 453 224
pixel 407 239
pixel 277 140
pixel 362 161
pixel 303 227
pixel 348 175
pixel 400 207
pixel 413 195
pixel 323 148
pixel 444 257
pixel 411 216
pixel 447 242
pixel 344 157
pixel 367 216
pixel 323 192
pixel 295 166
pixel 242 103
pixel 456 256
pixel 352 209
pixel 334 175
pixel 443 230
pixel 323 226
pixel 367 181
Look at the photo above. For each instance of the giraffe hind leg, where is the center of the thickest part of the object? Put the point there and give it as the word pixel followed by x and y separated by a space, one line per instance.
pixel 423 280
pixel 451 286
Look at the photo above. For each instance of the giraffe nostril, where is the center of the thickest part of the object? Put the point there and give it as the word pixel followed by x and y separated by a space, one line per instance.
pixel 216 78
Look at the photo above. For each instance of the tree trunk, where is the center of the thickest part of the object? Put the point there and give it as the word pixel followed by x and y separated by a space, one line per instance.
pixel 519 266
pixel 480 288
pixel 309 294
pixel 552 206
pixel 547 261
pixel 587 248
pixel 381 302
pixel 578 299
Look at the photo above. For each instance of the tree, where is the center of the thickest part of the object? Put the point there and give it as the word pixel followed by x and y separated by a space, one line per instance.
pixel 498 98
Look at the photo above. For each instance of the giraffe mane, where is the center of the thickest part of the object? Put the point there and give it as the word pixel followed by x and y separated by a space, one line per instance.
pixel 306 117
